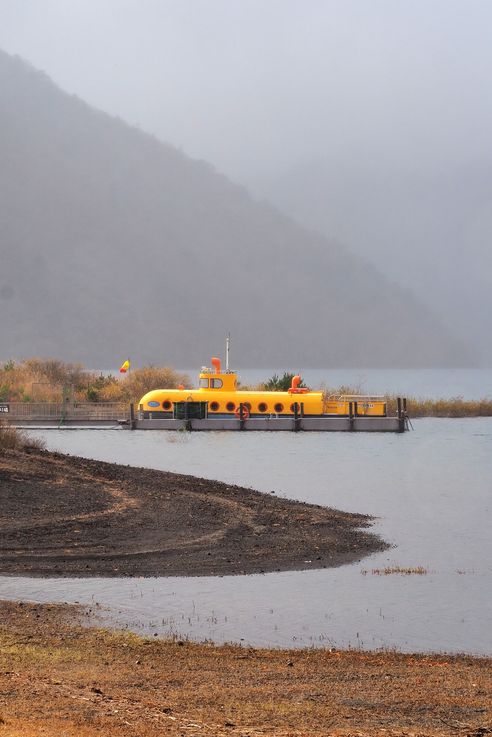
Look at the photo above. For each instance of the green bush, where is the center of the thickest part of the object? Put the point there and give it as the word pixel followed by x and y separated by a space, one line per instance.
pixel 282 383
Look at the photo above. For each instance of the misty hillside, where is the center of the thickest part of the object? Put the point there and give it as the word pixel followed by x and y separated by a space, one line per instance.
pixel 113 244
pixel 428 226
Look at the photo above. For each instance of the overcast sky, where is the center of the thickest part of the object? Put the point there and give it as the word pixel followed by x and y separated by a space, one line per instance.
pixel 254 85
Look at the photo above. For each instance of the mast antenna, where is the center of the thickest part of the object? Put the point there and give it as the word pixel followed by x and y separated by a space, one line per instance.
pixel 228 343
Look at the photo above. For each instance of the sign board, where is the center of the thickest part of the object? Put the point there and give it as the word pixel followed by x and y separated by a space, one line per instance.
pixel 4 408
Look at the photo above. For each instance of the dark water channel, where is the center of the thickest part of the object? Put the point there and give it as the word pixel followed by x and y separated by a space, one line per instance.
pixel 431 490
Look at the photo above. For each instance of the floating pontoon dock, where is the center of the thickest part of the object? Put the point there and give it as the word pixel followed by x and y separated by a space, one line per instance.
pixel 313 424
pixel 99 414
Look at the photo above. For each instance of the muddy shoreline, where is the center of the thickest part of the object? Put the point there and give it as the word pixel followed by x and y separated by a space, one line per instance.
pixel 60 677
pixel 69 516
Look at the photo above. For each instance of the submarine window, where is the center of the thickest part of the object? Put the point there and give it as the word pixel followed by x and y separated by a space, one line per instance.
pixel 203 384
pixel 247 406
pixel 215 383
pixel 167 404
pixel 214 406
pixel 293 407
pixel 279 407
pixel 230 406
pixel 262 407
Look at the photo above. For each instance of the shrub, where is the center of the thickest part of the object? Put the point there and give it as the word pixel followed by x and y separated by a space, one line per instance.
pixel 56 372
pixel 97 389
pixel 143 380
pixel 37 379
pixel 12 438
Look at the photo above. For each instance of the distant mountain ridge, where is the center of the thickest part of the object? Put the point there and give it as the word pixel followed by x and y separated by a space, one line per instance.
pixel 114 244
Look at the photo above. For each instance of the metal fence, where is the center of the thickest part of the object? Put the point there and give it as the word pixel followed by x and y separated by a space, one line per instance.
pixel 83 411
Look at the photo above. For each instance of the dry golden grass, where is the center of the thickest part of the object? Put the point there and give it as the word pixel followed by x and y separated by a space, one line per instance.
pixel 61 679
pixel 12 438
pixel 453 407
pixel 50 380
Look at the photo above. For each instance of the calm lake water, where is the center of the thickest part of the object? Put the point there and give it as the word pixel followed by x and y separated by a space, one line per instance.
pixel 430 489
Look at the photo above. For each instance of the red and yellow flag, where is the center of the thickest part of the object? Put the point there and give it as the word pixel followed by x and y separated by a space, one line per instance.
pixel 125 366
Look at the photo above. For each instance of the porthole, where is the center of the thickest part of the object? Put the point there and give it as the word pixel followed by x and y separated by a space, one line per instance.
pixel 247 405
pixel 262 407
pixel 230 406
pixel 214 406
pixel 167 404
pixel 293 407
pixel 279 407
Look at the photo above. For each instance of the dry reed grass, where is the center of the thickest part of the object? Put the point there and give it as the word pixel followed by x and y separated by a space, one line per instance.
pixel 452 407
pixel 12 438
pixel 397 570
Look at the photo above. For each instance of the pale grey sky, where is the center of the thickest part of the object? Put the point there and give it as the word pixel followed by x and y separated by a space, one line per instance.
pixel 253 85
pixel 370 120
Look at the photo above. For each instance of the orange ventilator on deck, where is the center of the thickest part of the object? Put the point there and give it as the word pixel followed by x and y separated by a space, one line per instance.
pixel 295 388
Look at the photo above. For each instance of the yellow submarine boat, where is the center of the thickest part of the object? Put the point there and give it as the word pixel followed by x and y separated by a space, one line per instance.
pixel 219 389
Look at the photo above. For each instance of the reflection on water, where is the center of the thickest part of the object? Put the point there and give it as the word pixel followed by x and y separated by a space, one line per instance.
pixel 430 489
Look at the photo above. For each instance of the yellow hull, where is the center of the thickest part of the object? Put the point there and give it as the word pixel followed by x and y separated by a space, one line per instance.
pixel 219 390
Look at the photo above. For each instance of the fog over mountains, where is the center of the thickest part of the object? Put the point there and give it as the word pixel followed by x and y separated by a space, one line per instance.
pixel 427 226
pixel 114 244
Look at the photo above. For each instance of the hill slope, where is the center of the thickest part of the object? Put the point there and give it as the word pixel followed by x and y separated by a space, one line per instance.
pixel 427 225
pixel 114 244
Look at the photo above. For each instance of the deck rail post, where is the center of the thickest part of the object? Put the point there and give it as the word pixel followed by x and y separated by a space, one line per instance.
pixel 406 418
pixel 188 425
pixel 401 415
pixel 351 416
pixel 297 417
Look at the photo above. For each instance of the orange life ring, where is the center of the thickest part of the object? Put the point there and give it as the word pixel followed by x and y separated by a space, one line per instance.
pixel 246 412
